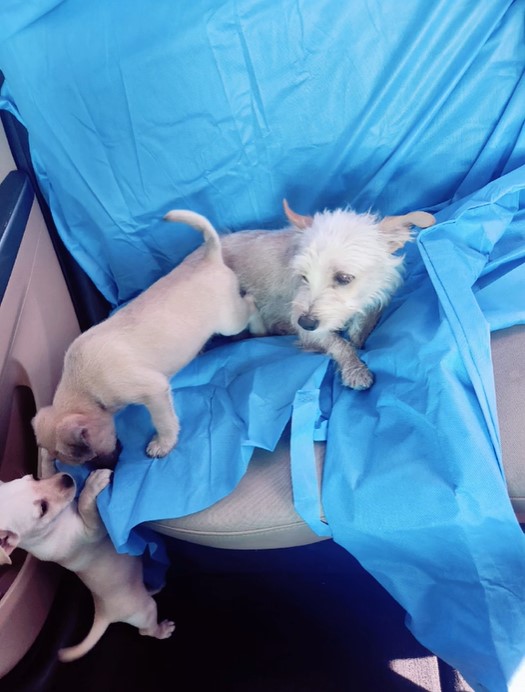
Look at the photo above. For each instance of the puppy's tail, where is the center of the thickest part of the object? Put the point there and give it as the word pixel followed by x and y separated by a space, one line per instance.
pixel 71 653
pixel 200 223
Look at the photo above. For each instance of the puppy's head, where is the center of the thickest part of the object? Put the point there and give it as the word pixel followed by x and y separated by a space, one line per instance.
pixel 75 438
pixel 345 264
pixel 28 507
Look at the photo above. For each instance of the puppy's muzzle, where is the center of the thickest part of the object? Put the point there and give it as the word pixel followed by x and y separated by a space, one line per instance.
pixel 66 481
pixel 308 323
pixel 108 461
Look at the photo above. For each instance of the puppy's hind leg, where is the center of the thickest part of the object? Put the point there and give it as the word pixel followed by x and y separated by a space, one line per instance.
pixel 256 324
pixel 243 314
pixel 147 622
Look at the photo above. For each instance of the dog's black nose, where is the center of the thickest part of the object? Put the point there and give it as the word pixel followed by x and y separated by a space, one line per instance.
pixel 67 481
pixel 108 461
pixel 308 323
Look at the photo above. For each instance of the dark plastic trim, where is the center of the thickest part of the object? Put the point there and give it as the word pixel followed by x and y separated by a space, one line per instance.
pixel 89 304
pixel 16 200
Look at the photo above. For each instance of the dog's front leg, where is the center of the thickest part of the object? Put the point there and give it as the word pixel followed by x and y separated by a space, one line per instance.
pixel 157 399
pixel 360 326
pixel 87 502
pixel 354 373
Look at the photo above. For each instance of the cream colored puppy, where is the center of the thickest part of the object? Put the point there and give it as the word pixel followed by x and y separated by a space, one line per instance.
pixel 43 518
pixel 129 357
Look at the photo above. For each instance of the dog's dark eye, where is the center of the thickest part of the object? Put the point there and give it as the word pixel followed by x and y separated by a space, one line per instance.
pixel 303 278
pixel 343 279
pixel 44 506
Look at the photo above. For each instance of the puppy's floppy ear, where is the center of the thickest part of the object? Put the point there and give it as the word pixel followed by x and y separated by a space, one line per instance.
pixel 297 220
pixel 72 430
pixel 396 229
pixel 8 542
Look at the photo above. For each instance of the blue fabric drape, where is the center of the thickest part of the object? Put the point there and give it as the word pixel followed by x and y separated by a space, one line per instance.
pixel 226 107
pixel 420 499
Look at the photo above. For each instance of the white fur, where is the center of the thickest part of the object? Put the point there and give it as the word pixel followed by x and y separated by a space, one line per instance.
pixel 291 273
pixel 73 535
pixel 346 242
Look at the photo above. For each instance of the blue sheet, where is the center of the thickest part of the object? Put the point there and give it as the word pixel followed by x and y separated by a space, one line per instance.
pixel 442 538
pixel 225 108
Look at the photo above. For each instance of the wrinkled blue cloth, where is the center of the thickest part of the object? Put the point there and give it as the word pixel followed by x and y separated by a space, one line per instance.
pixel 420 497
pixel 226 108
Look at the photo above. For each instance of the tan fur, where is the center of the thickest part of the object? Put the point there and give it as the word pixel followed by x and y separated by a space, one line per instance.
pixel 129 358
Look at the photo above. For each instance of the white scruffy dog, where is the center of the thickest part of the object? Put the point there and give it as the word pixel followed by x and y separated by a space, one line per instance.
pixel 325 278
pixel 43 518
pixel 129 357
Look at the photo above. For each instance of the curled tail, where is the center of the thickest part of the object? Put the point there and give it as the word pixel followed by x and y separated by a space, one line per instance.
pixel 201 223
pixel 71 653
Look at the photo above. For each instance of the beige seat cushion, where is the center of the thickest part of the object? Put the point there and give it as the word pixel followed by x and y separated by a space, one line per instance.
pixel 508 359
pixel 260 513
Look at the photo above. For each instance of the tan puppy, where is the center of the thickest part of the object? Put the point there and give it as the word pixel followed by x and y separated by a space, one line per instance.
pixel 325 278
pixel 43 518
pixel 129 357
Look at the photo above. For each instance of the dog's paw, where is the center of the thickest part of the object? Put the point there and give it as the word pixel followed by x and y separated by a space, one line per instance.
pixel 357 377
pixel 165 629
pixel 98 480
pixel 160 447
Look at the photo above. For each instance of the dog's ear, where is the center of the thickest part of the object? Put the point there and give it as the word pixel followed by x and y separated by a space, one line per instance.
pixel 73 430
pixel 396 229
pixel 8 542
pixel 298 220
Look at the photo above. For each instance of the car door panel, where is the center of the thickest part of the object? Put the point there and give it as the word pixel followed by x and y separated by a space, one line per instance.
pixel 37 322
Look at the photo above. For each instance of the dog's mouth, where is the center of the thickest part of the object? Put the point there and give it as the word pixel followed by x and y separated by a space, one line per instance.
pixel 107 461
pixel 308 323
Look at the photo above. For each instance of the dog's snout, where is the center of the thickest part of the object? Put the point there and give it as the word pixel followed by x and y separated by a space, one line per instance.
pixel 67 481
pixel 108 461
pixel 308 323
